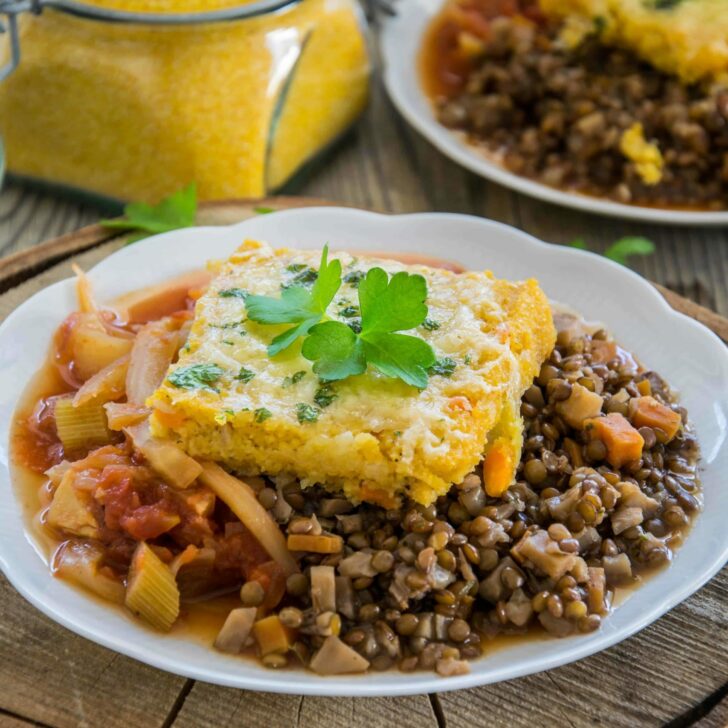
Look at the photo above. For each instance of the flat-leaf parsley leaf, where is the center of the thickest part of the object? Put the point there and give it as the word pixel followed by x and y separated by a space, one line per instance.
pixel 387 305
pixel 174 212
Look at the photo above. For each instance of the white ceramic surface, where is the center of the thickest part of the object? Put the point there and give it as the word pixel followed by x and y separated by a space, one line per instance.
pixel 401 39
pixel 686 353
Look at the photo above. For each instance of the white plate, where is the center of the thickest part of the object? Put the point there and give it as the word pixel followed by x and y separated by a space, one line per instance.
pixel 401 39
pixel 691 358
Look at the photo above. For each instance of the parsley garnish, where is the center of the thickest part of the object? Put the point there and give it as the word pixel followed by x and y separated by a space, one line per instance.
pixel 622 249
pixel 262 414
pixel 263 210
pixel 387 305
pixel 467 360
pixel 306 413
pixel 430 324
pixel 142 220
pixel 196 376
pixel 297 305
pixel 444 367
pixel 339 350
pixel 324 396
pixel 233 293
pixel 293 379
pixel 349 311
pixel 244 375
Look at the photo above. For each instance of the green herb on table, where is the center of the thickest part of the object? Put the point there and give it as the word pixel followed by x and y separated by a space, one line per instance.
pixel 297 305
pixel 196 376
pixel 621 250
pixel 263 210
pixel 142 220
pixel 306 413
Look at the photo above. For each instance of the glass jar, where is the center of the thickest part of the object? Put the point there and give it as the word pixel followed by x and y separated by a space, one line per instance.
pixel 236 97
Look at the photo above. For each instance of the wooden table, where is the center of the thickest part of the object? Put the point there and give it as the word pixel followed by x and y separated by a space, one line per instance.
pixel 675 673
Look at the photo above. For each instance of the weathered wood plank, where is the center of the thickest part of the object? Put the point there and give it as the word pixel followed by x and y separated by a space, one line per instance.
pixel 52 676
pixel 210 706
pixel 664 671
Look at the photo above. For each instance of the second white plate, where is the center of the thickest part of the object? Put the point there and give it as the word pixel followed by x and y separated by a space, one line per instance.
pixel 401 41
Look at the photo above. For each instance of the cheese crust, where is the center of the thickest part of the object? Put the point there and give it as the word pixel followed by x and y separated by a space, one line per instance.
pixel 379 438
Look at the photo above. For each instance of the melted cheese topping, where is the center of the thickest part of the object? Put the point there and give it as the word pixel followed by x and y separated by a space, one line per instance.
pixel 379 437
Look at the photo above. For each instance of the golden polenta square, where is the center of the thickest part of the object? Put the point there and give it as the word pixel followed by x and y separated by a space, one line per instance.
pixel 372 436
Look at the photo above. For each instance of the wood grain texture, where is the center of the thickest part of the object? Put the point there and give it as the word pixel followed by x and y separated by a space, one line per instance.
pixel 660 677
pixel 210 706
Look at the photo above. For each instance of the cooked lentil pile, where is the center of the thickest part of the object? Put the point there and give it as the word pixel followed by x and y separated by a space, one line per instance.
pixel 593 119
pixel 428 587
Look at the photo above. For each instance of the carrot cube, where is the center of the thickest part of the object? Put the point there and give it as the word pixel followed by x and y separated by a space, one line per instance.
pixel 624 444
pixel 648 412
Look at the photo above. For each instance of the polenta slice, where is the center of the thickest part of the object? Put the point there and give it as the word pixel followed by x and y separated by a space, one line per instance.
pixel 374 437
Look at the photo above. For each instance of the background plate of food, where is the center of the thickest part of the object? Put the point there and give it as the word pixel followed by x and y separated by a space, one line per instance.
pixel 588 481
pixel 569 103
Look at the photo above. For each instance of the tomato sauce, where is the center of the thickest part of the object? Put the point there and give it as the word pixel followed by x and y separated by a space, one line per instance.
pixel 445 61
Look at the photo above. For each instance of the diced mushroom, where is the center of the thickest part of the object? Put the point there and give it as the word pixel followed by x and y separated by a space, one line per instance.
pixel 449 666
pixel 345 597
pixel 581 405
pixel 545 553
pixel 617 569
pixel 626 517
pixel 351 523
pixel 560 506
pixel 440 623
pixel 235 633
pixel 588 539
pixel 282 509
pixel 337 658
pixel 519 609
pixel 633 496
pixel 492 588
pixel 323 588
pixel 596 590
pixel 357 565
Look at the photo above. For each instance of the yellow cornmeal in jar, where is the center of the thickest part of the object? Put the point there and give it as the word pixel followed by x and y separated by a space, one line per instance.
pixel 136 112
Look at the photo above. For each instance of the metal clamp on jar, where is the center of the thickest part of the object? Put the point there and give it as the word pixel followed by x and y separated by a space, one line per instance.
pixel 132 99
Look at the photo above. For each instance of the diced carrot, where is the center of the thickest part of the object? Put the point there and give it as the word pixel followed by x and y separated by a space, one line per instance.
pixel 379 497
pixel 648 412
pixel 624 444
pixel 498 469
pixel 322 544
pixel 272 636
pixel 644 387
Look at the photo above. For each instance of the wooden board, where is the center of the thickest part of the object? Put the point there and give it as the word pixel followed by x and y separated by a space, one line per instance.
pixel 673 673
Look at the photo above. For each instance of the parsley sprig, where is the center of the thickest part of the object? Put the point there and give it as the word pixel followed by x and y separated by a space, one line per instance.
pixel 173 212
pixel 387 306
